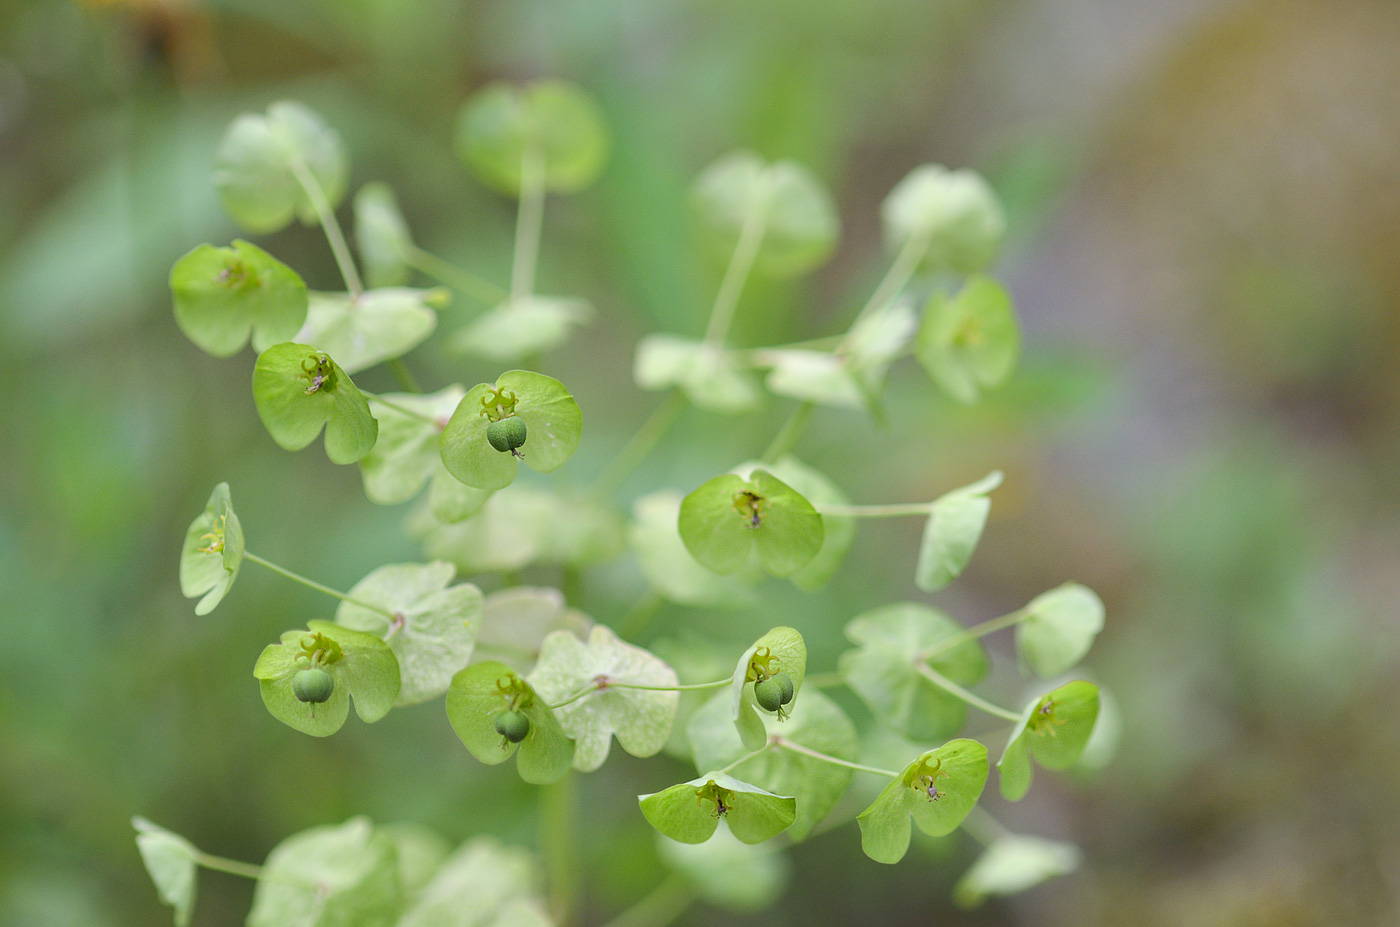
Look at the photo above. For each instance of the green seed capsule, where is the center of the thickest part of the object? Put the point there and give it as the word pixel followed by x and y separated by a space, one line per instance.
pixel 512 725
pixel 769 693
pixel 784 682
pixel 507 434
pixel 313 685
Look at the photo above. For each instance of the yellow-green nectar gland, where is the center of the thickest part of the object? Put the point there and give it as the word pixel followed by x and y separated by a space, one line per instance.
pixel 215 538
pixel 1043 720
pixel 924 778
pixel 723 798
pixel 320 370
pixel 498 404
pixel 750 505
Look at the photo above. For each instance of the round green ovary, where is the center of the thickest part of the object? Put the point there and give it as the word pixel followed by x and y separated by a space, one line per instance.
pixel 507 434
pixel 313 685
pixel 785 687
pixel 512 725
pixel 769 692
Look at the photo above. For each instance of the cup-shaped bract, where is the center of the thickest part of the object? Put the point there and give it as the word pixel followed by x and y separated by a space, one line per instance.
pixel 212 552
pixel 299 388
pixel 1054 729
pixel 382 236
pixel 969 342
pixel 952 218
pixel 690 812
pixel 555 123
pixel 362 666
pixel 552 419
pixel 223 294
pixel 483 691
pixel 938 789
pixel 730 517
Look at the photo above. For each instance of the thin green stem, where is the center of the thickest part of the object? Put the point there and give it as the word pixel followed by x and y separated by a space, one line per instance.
pixel 231 866
pixel 401 409
pixel 445 272
pixel 640 444
pixel 687 688
pixel 947 685
pixel 735 275
pixel 528 222
pixel 787 436
pixel 982 827
pixel 905 263
pixel 661 906
pixel 972 633
pixel 785 744
pixel 878 511
pixel 743 759
pixel 404 375
pixel 575 697
pixel 557 804
pixel 334 236
pixel 312 584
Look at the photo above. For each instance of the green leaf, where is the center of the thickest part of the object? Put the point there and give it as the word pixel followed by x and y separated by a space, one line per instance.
pixel 376 326
pixel 480 885
pixel 816 784
pixel 969 342
pixel 484 690
pixel 938 790
pixel 792 207
pixel 1053 730
pixel 170 861
pixel 212 553
pixel 434 629
pixel 364 668
pixel 222 294
pixel 641 719
pixel 405 452
pixel 730 516
pixel 954 211
pixel 559 121
pixel 781 650
pixel 952 531
pixel 294 416
pixel 690 812
pixel 257 159
pixel 1057 629
pixel 707 374
pixel 521 328
pixel 516 620
pixel 883 669
pixel 338 876
pixel 728 874
pixel 668 566
pixel 838 530
pixel 1013 864
pixel 553 422
pixel 382 236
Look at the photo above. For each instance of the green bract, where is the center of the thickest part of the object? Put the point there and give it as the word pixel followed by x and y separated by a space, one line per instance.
pixel 782 202
pixel 838 531
pixel 706 373
pixel 484 690
pixel 550 413
pixel 781 650
pixel 951 534
pixel 1057 629
pixel 521 328
pixel 727 873
pixel 262 161
pixel 378 325
pixel 382 236
pixel 361 664
pixel 851 377
pixel 212 552
pixel 221 294
pixel 434 626
pixel 641 718
pixel 1053 729
pixel 816 784
pixel 669 567
pixel 170 860
pixel 298 388
pixel 969 342
pixel 1013 864
pixel 953 216
pixel 329 876
pixel 729 517
pixel 405 453
pixel 938 790
pixel 884 670
pixel 557 122
pixel 690 812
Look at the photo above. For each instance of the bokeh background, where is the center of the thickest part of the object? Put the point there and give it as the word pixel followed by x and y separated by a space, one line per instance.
pixel 1204 199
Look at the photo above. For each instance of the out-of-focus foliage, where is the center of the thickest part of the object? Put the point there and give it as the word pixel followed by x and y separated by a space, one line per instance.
pixel 1203 204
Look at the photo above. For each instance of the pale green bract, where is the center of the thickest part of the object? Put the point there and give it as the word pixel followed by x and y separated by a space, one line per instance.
pixel 515 621
pixel 781 650
pixel 728 873
pixel 223 294
pixel 435 624
pixel 838 531
pixel 212 553
pixel 482 691
pixel 375 326
pixel 1054 730
pixel 783 200
pixel 551 416
pixel 367 671
pixel 405 454
pixel 1013 864
pixel 557 122
pixel 938 789
pixel 381 236
pixel 257 163
pixel 640 718
pixel 1057 629
pixel 731 517
pixel 969 342
pixel 482 884
pixel 293 416
pixel 706 373
pixel 521 328
pixel 953 214
pixel 690 812
pixel 668 566
pixel 952 531
pixel 170 861
pixel 328 877
pixel 883 670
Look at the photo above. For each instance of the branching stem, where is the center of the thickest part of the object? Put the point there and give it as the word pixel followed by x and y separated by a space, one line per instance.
pixel 528 222
pixel 735 275
pixel 445 272
pixel 334 236
pixel 401 409
pixel 312 584
pixel 972 633
pixel 785 744
pixel 947 685
pixel 640 445
pixel 878 511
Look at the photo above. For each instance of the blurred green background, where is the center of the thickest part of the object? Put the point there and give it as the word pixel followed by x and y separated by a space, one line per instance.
pixel 1205 250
